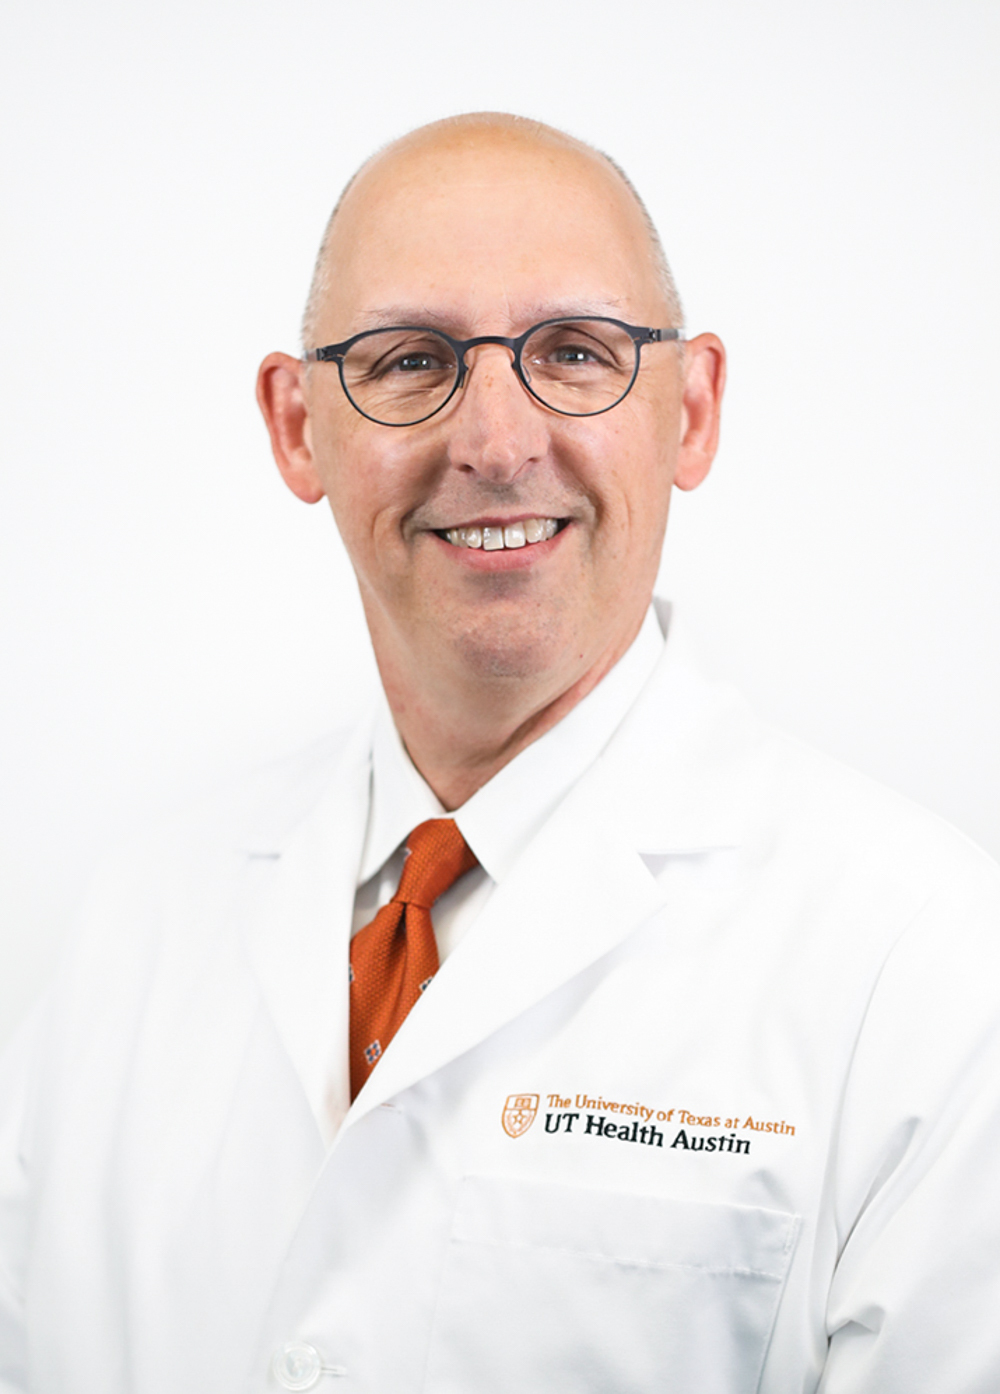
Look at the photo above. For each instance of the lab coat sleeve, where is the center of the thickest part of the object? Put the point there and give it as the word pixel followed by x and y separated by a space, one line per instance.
pixel 914 1302
pixel 17 1081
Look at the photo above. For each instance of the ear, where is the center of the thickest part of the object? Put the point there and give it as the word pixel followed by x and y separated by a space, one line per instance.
pixel 704 381
pixel 282 400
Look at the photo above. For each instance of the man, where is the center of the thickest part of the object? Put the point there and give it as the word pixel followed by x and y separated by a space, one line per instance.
pixel 667 1058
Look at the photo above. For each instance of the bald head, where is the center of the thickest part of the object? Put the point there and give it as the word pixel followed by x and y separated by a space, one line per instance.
pixel 494 147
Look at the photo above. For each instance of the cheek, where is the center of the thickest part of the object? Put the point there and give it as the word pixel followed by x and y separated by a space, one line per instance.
pixel 367 479
pixel 632 477
pixel 348 506
pixel 367 511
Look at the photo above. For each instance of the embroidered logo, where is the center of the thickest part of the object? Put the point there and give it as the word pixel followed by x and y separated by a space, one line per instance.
pixel 519 1112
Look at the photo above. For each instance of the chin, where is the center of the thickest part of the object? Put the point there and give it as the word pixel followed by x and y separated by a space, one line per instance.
pixel 511 646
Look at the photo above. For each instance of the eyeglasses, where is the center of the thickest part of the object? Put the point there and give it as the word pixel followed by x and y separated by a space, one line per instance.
pixel 404 375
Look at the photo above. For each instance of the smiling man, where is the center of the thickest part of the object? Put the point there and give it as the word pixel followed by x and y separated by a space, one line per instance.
pixel 506 543
pixel 558 1027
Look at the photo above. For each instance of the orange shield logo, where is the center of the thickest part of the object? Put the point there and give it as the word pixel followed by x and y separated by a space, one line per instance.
pixel 519 1113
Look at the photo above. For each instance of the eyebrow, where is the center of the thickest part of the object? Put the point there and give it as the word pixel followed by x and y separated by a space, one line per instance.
pixel 390 316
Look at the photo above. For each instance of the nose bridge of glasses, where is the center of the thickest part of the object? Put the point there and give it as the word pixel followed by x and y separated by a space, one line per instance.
pixel 465 347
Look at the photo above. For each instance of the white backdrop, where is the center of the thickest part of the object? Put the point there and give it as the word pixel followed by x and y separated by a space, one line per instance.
pixel 825 178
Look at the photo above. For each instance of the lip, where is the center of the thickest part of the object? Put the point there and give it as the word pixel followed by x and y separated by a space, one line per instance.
pixel 493 520
pixel 506 558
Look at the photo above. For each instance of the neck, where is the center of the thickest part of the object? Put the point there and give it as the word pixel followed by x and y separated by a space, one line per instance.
pixel 461 727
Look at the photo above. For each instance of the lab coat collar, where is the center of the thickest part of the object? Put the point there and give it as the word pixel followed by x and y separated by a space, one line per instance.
pixel 678 778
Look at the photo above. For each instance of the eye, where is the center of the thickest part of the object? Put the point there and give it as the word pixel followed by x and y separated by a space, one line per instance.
pixel 417 363
pixel 578 348
pixel 573 353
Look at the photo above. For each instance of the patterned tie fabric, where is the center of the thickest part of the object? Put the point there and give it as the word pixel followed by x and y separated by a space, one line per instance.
pixel 394 958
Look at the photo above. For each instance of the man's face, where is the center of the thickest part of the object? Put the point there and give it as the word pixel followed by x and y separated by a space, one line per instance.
pixel 488 235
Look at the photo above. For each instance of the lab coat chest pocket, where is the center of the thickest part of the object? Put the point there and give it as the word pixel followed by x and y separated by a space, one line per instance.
pixel 551 1288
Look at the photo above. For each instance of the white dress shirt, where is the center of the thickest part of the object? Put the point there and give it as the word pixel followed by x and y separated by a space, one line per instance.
pixel 502 817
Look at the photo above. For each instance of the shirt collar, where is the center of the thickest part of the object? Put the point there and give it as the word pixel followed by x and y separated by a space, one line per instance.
pixel 504 815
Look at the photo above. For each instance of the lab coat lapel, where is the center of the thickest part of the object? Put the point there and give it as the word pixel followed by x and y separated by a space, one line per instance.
pixel 669 784
pixel 575 893
pixel 675 781
pixel 297 907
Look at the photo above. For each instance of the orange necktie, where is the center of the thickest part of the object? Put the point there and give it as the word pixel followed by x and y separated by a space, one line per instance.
pixel 394 958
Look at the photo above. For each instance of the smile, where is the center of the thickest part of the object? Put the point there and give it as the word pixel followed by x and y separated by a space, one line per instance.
pixel 512 535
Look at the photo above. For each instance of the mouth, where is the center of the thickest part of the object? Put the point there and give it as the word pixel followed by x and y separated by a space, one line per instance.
pixel 497 537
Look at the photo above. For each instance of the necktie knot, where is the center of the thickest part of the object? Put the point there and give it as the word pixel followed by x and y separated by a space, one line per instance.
pixel 438 855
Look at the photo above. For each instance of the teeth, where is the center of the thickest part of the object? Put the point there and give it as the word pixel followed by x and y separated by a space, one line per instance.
pixel 513 535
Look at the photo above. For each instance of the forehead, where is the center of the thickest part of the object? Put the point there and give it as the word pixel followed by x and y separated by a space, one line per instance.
pixel 487 230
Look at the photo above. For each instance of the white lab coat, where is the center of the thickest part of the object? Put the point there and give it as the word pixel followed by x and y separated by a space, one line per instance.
pixel 706 1100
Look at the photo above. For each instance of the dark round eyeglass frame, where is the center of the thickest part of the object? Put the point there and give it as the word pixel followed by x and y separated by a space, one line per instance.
pixel 640 335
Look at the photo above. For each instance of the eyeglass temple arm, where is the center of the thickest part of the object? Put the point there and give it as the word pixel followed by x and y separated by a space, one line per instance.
pixel 662 336
pixel 328 354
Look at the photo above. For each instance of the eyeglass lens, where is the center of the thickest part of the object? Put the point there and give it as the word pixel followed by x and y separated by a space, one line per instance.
pixel 402 376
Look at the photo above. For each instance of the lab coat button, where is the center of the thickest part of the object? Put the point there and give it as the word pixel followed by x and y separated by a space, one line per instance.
pixel 297 1365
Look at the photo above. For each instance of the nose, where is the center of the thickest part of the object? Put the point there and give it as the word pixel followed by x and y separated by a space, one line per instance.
pixel 497 427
